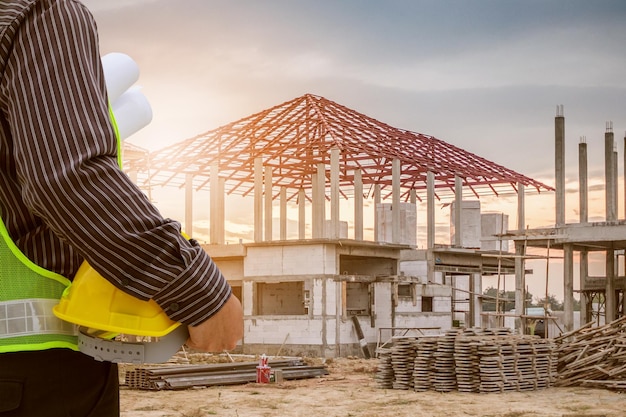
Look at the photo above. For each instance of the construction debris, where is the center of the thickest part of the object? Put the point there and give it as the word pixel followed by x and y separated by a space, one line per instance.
pixel 177 377
pixel 472 360
pixel 593 356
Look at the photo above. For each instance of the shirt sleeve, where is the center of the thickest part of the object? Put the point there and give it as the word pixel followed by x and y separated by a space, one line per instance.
pixel 65 153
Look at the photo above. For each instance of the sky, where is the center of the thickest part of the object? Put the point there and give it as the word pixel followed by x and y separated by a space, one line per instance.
pixel 483 75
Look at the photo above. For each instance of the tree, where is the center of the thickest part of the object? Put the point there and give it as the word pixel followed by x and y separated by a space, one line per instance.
pixel 506 299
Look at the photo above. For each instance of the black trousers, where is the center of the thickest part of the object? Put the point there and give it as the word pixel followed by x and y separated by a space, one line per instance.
pixel 57 383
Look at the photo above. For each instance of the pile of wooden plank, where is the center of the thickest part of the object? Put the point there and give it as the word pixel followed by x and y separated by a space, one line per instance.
pixel 470 360
pixel 174 377
pixel 593 356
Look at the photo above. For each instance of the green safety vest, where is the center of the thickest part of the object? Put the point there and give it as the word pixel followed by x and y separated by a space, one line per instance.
pixel 28 293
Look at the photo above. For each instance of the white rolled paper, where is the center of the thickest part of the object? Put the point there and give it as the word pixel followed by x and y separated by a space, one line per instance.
pixel 120 72
pixel 132 112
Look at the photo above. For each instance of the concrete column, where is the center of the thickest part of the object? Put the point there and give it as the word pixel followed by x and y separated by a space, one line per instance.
pixel 189 204
pixel 624 168
pixel 377 201
pixel 583 185
pixel 430 210
pixel 319 202
pixel 568 287
pixel 395 201
pixel 609 175
pixel 334 193
pixel 268 203
pixel 584 272
pixel 476 307
pixel 610 303
pixel 458 209
pixel 214 198
pixel 520 261
pixel 358 205
pixel 559 165
pixel 301 214
pixel 258 200
pixel 283 213
pixel 221 213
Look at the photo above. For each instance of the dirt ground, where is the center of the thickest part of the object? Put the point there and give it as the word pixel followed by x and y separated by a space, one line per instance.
pixel 350 390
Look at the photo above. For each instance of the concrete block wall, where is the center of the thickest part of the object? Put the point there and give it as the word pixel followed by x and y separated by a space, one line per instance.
pixel 408 223
pixel 290 260
pixel 469 228
pixel 415 269
pixel 493 224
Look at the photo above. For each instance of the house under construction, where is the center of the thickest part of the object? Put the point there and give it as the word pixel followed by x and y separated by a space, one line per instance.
pixel 330 292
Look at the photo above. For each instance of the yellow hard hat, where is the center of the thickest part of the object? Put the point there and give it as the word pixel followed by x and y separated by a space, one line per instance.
pixel 93 302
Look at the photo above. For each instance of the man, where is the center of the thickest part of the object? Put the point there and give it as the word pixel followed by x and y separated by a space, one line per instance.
pixel 64 200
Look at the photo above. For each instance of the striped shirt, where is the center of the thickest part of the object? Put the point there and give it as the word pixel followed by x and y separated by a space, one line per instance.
pixel 63 197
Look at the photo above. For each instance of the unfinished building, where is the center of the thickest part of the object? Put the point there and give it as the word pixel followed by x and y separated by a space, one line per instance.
pixel 330 292
pixel 601 297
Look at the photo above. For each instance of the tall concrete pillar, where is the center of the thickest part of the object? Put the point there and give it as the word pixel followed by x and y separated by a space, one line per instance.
pixel 395 203
pixel 568 287
pixel 268 203
pixel 624 168
pixel 258 200
pixel 221 212
pixel 520 261
pixel 609 175
pixel 430 210
pixel 358 205
pixel 319 202
pixel 214 198
pixel 583 196
pixel 283 213
pixel 559 165
pixel 458 209
pixel 189 204
pixel 334 193
pixel 301 214
pixel 377 201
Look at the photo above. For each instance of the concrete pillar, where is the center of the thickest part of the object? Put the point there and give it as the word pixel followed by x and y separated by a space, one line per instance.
pixel 319 202
pixel 568 287
pixel 583 185
pixel 458 204
pixel 268 203
pixel 334 193
pixel 301 214
pixel 213 204
pixel 221 213
pixel 377 201
pixel 584 272
pixel 520 261
pixel 624 168
pixel 609 175
pixel 283 213
pixel 430 210
pixel 610 303
pixel 258 200
pixel 189 204
pixel 395 201
pixel 559 165
pixel 358 205
pixel 476 307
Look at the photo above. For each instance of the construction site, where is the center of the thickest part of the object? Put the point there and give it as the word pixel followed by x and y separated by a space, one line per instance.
pixel 382 313
pixel 331 292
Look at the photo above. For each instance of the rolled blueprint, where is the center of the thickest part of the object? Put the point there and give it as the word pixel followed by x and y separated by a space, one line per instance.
pixel 120 73
pixel 132 112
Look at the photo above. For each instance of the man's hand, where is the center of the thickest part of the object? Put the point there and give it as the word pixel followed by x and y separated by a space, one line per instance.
pixel 221 332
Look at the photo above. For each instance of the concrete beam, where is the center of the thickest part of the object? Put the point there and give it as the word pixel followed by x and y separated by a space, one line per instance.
pixel 283 213
pixel 301 214
pixel 334 193
pixel 268 203
pixel 395 204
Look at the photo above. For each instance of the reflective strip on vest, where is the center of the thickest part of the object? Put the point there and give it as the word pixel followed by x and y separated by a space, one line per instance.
pixel 32 317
